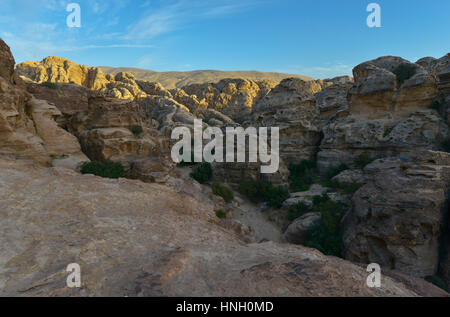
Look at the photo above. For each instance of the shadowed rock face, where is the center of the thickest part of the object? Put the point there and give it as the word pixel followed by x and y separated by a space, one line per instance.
pixel 7 62
pixel 27 126
pixel 400 214
pixel 127 238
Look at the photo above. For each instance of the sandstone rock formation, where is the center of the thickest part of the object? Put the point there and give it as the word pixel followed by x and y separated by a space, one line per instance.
pixel 333 97
pixel 291 106
pixel 398 217
pixel 58 113
pixel 105 134
pixel 296 231
pixel 232 97
pixel 27 126
pixel 56 69
pixel 384 117
pixel 126 237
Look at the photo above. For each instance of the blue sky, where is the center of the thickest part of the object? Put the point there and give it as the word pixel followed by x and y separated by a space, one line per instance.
pixel 317 38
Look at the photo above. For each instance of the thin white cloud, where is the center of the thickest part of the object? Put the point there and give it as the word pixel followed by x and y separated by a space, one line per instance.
pixel 179 14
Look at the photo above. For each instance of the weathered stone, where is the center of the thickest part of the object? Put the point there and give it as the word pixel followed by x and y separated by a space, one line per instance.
pixel 296 232
pixel 397 217
pixel 291 106
pixel 126 237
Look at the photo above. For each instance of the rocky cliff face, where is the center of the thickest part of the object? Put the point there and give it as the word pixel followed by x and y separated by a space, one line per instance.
pixel 56 114
pixel 384 117
pixel 400 214
pixel 27 125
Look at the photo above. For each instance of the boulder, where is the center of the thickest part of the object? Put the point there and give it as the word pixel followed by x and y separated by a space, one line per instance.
pixel 306 196
pixel 397 217
pixel 296 231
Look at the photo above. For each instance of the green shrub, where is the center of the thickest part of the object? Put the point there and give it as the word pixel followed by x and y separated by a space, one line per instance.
pixel 276 196
pixel 202 173
pixel 317 200
pixel 107 170
pixel 298 210
pixel 351 189
pixel 302 175
pixel 334 171
pixel 329 243
pixel 363 160
pixel 325 235
pixel 387 131
pixel 445 146
pixel 222 191
pixel 258 191
pixel 255 190
pixel 436 280
pixel 221 214
pixel 50 85
pixel 435 105
pixel 404 72
pixel 136 130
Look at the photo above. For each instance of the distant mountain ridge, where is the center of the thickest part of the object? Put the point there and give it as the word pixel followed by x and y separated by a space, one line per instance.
pixel 176 79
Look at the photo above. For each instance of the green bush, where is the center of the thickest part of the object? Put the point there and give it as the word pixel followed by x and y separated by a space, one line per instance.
pixel 276 196
pixel 222 191
pixel 404 72
pixel 136 130
pixel 387 131
pixel 435 105
pixel 221 214
pixel 436 280
pixel 334 171
pixel 445 146
pixel 298 210
pixel 351 189
pixel 50 85
pixel 325 235
pixel 258 191
pixel 363 160
pixel 302 175
pixel 107 170
pixel 329 243
pixel 202 173
pixel 255 190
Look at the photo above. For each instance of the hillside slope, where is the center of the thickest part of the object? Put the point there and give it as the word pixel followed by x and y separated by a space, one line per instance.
pixel 172 80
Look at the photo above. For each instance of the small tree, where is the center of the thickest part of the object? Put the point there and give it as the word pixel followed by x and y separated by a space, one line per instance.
pixel 136 130
pixel 202 173
pixel 106 170
pixel 222 191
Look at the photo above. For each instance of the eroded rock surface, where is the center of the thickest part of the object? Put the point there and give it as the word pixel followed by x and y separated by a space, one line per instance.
pixel 384 117
pixel 27 126
pixel 398 216
pixel 126 237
